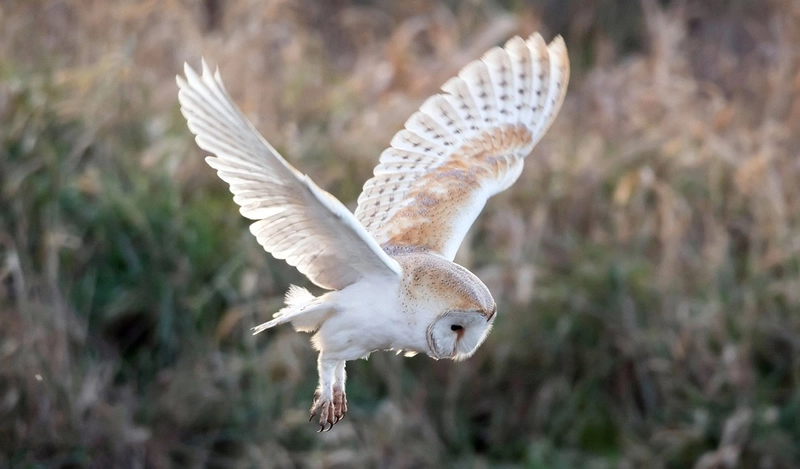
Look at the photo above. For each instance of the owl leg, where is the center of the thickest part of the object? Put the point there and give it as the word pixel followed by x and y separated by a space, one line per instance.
pixel 339 396
pixel 329 397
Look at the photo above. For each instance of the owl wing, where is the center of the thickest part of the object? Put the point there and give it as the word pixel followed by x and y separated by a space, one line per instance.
pixel 295 220
pixel 464 145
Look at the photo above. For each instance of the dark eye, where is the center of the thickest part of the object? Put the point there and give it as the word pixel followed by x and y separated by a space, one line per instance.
pixel 456 328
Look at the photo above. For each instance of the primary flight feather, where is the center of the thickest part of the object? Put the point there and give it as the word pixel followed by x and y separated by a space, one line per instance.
pixel 389 266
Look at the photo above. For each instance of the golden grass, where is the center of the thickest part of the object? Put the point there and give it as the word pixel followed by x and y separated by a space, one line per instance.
pixel 645 264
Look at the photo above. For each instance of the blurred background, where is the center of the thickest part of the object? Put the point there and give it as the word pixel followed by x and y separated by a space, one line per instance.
pixel 646 264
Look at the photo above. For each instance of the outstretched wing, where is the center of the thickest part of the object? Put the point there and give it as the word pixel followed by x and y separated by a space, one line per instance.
pixel 296 220
pixel 464 145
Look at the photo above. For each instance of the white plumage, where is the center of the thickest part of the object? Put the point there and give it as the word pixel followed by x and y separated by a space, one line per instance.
pixel 389 266
pixel 296 220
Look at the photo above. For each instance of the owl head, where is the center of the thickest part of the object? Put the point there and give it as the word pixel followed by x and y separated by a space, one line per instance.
pixel 456 306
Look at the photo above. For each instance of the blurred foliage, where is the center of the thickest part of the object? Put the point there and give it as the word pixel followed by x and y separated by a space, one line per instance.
pixel 646 264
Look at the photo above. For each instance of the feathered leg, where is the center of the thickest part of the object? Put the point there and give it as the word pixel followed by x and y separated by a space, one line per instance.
pixel 339 396
pixel 329 399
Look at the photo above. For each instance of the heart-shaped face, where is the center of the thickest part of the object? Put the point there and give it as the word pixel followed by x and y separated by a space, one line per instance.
pixel 458 334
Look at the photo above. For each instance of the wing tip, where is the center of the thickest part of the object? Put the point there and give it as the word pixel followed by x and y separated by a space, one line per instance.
pixel 558 42
pixel 190 75
pixel 536 41
pixel 558 48
pixel 188 71
pixel 513 42
pixel 558 51
pixel 494 53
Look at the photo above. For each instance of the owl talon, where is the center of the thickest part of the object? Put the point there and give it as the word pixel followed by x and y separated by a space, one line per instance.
pixel 330 410
pixel 339 403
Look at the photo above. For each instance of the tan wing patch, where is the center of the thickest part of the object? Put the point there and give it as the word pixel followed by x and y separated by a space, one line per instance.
pixel 438 207
pixel 464 145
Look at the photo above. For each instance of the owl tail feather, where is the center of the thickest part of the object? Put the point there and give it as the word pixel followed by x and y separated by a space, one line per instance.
pixel 304 310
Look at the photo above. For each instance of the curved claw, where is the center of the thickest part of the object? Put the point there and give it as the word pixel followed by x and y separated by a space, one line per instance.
pixel 330 410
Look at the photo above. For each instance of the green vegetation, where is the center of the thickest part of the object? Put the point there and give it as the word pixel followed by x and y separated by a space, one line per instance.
pixel 646 264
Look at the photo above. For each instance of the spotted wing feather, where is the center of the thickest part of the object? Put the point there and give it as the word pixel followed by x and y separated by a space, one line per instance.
pixel 464 145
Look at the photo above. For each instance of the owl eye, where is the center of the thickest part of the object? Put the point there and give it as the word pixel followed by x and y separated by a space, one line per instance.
pixel 456 327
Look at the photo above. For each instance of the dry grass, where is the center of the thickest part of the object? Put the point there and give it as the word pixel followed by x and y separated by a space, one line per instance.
pixel 646 264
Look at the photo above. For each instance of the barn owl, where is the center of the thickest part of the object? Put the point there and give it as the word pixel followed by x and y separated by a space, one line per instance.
pixel 388 268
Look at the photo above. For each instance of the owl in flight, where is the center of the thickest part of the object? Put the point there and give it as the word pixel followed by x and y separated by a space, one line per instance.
pixel 389 267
